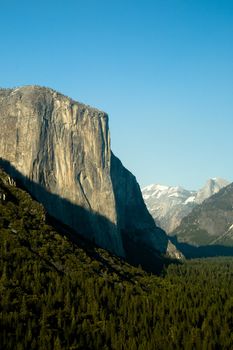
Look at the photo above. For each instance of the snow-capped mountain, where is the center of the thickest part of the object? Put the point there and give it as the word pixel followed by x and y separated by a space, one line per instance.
pixel 169 205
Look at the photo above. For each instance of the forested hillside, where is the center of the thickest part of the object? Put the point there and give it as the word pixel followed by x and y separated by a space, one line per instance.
pixel 55 294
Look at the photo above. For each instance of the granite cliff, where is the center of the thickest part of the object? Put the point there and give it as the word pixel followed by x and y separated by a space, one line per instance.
pixel 59 150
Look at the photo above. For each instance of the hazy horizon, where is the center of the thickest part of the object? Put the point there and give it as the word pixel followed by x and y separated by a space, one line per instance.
pixel 162 70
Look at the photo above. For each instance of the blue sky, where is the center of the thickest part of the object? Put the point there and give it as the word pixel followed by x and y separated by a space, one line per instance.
pixel 162 70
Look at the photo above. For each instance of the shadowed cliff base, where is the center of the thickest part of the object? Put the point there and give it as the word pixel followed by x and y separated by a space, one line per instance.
pixel 138 228
pixel 206 251
pixel 136 253
pixel 139 254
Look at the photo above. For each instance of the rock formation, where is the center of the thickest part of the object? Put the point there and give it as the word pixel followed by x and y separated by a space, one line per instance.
pixel 60 150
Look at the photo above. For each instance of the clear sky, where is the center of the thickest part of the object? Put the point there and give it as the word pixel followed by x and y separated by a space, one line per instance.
pixel 162 70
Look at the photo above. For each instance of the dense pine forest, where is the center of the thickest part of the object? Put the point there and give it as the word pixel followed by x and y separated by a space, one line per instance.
pixel 56 294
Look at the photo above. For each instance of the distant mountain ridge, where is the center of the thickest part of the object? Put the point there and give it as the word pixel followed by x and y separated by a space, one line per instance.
pixel 209 225
pixel 169 205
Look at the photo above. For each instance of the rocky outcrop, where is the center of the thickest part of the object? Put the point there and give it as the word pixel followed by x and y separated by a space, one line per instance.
pixel 60 150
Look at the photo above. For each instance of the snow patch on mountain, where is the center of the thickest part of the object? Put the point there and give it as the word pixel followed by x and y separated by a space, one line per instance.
pixel 190 199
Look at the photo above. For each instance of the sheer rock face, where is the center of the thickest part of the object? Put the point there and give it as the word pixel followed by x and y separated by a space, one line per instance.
pixel 60 150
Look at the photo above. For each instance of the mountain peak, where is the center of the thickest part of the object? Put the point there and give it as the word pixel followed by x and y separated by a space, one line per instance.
pixel 212 186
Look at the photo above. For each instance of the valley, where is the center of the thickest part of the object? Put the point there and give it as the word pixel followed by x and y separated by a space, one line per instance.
pixel 61 294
